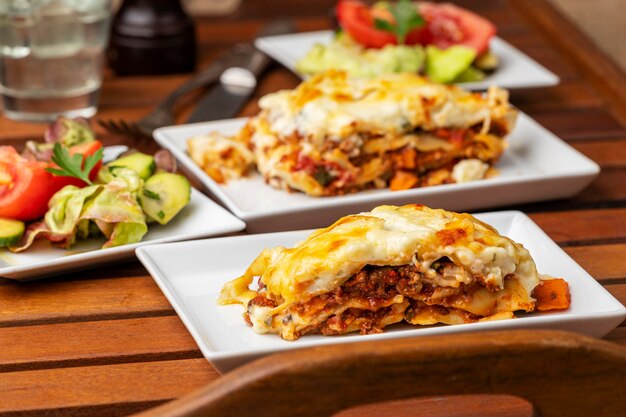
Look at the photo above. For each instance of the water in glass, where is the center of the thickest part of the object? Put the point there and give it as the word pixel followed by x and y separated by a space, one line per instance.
pixel 51 57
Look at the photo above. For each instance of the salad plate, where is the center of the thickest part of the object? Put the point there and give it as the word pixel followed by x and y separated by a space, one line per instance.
pixel 516 69
pixel 536 166
pixel 200 218
pixel 191 275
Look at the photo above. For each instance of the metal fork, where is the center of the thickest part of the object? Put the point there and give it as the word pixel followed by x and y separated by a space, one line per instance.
pixel 163 114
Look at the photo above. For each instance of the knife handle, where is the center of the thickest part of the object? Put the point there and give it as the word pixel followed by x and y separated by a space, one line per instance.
pixel 207 76
pixel 242 55
pixel 254 60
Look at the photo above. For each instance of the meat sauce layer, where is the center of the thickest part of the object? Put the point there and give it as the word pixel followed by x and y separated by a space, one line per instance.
pixel 374 289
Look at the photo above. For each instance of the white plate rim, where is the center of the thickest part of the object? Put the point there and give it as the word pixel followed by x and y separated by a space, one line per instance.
pixel 39 269
pixel 545 321
pixel 585 169
pixel 272 46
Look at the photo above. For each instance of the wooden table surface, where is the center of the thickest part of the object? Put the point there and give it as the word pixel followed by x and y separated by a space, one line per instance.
pixel 107 342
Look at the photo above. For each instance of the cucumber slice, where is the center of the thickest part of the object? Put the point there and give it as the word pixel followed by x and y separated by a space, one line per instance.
pixel 11 232
pixel 141 163
pixel 164 195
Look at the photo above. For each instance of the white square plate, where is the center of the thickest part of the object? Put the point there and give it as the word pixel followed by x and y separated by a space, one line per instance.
pixel 191 275
pixel 536 166
pixel 516 69
pixel 200 218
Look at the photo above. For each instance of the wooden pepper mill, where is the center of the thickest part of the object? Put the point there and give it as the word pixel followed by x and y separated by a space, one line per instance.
pixel 150 37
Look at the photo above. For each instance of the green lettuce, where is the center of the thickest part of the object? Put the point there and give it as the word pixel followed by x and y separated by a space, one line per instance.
pixel 112 207
pixel 117 214
pixel 345 54
pixel 65 210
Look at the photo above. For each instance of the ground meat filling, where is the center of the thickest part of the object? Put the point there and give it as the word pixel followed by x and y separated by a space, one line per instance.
pixel 378 286
pixel 338 179
pixel 374 289
pixel 368 321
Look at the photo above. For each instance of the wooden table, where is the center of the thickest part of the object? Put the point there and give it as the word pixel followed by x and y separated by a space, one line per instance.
pixel 107 342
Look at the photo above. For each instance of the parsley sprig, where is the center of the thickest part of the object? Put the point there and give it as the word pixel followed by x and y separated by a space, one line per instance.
pixel 72 165
pixel 406 19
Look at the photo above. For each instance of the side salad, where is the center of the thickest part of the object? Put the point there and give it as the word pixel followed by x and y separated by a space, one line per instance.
pixel 61 191
pixel 444 42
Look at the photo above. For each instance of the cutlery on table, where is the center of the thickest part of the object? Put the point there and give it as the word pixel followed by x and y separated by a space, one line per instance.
pixel 237 83
pixel 236 71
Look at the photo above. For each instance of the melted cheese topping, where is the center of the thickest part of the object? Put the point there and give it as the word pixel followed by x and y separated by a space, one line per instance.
pixel 388 235
pixel 332 105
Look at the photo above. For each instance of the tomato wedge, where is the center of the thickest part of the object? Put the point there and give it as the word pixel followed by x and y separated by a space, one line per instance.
pixel 446 25
pixel 357 19
pixel 26 186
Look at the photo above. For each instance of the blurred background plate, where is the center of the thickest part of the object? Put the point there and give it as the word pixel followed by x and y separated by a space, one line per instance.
pixel 516 69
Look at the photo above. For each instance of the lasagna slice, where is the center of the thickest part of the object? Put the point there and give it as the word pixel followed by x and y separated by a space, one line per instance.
pixel 393 264
pixel 334 134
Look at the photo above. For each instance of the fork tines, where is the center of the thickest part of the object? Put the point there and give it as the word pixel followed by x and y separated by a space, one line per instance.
pixel 122 127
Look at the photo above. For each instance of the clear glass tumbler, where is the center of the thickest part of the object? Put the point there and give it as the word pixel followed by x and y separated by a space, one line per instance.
pixel 51 57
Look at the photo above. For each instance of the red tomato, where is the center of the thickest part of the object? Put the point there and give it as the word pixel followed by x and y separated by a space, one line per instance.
pixel 26 186
pixel 446 25
pixel 356 18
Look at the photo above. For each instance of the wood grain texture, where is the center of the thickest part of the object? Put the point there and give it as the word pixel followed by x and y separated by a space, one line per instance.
pixel 597 68
pixel 606 187
pixel 582 123
pixel 618 291
pixel 472 406
pixel 550 369
pixel 606 153
pixel 583 226
pixel 66 301
pixel 61 391
pixel 95 343
pixel 567 95
pixel 603 262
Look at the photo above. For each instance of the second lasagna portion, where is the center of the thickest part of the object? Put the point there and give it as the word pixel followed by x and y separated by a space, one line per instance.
pixel 334 135
pixel 392 264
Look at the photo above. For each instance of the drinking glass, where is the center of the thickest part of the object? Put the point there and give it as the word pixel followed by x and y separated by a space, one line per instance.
pixel 51 57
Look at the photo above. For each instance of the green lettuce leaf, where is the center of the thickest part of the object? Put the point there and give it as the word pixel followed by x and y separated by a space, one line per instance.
pixel 117 213
pixel 66 207
pixel 112 207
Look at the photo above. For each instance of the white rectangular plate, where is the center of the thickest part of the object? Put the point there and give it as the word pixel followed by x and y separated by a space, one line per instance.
pixel 516 69
pixel 191 275
pixel 536 166
pixel 200 218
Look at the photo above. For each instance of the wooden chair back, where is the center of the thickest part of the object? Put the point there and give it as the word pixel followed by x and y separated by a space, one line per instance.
pixel 560 373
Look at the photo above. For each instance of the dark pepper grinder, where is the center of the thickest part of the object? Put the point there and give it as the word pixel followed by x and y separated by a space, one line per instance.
pixel 150 37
